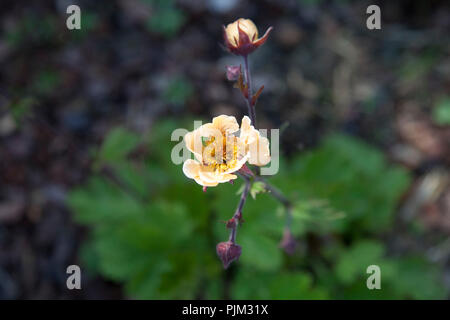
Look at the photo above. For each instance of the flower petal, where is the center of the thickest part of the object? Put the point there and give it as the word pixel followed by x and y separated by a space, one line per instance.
pixel 206 184
pixel 258 147
pixel 226 123
pixel 260 152
pixel 189 140
pixel 241 31
pixel 207 175
pixel 191 168
pixel 226 177
pixel 263 39
pixel 248 133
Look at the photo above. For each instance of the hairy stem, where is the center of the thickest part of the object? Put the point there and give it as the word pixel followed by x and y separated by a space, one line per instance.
pixel 238 213
pixel 248 78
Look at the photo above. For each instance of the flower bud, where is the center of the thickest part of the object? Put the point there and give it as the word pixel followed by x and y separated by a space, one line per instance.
pixel 233 72
pixel 241 37
pixel 288 242
pixel 228 252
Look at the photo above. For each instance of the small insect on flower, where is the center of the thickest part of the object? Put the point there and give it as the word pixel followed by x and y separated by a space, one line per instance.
pixel 241 37
pixel 219 152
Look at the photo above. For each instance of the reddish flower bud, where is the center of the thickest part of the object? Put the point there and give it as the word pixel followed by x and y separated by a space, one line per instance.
pixel 204 188
pixel 233 72
pixel 228 252
pixel 241 37
pixel 288 242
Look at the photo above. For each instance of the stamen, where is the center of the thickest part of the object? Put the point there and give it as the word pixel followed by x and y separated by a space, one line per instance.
pixel 229 153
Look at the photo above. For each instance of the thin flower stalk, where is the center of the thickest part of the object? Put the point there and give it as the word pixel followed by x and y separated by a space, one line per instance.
pixel 221 155
pixel 248 79
pixel 237 217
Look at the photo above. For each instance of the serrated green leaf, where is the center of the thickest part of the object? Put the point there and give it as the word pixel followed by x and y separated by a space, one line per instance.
pixel 354 261
pixel 251 284
pixel 259 251
pixel 117 145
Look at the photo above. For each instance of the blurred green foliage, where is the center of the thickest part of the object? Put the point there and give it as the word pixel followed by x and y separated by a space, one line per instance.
pixel 33 29
pixel 21 108
pixel 178 91
pixel 45 82
pixel 89 22
pixel 166 18
pixel 441 112
pixel 416 66
pixel 155 231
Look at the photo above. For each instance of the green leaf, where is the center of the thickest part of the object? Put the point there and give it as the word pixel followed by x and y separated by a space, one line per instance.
pixel 353 263
pixel 117 145
pixel 258 250
pixel 251 284
pixel 257 187
pixel 101 201
pixel 354 178
pixel 318 211
pixel 417 279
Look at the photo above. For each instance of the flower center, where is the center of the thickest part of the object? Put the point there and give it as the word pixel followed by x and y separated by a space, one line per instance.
pixel 220 157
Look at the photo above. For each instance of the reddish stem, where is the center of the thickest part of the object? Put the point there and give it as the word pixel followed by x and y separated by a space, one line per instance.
pixel 248 100
pixel 238 213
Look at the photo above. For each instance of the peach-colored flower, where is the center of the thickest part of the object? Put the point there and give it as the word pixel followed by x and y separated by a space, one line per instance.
pixel 256 146
pixel 241 36
pixel 219 152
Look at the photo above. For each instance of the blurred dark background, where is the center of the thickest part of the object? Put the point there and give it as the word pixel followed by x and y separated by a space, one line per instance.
pixel 138 63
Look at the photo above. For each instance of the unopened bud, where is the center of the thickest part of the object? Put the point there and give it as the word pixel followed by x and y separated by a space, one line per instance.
pixel 241 37
pixel 288 242
pixel 233 72
pixel 228 252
